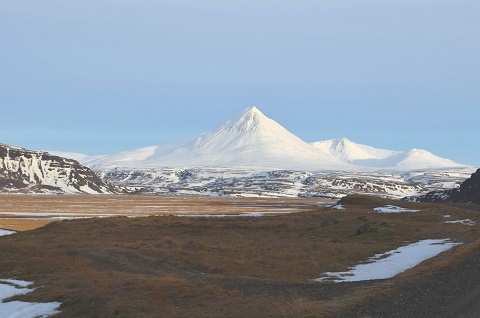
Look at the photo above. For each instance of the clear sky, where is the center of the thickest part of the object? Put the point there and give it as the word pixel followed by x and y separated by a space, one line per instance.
pixel 104 76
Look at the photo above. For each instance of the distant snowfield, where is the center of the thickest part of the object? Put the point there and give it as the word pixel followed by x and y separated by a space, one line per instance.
pixel 21 309
pixel 391 263
pixel 393 209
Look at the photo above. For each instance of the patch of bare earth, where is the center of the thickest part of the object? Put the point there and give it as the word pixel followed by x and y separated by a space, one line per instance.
pixel 170 266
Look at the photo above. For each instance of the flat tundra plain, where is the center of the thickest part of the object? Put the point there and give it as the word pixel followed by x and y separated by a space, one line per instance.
pixel 154 256
pixel 26 212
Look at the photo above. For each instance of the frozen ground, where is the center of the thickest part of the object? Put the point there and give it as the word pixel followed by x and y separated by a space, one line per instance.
pixel 391 263
pixel 21 309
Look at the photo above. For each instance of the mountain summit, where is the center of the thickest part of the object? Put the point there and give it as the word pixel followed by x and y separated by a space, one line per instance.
pixel 253 140
pixel 251 120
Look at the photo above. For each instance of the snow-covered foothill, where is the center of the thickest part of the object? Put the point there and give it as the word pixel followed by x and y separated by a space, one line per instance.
pixel 391 263
pixel 393 209
pixel 248 182
pixel 21 309
pixel 80 157
pixel 366 156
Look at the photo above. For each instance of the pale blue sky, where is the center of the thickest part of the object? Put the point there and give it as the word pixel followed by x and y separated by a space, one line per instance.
pixel 104 76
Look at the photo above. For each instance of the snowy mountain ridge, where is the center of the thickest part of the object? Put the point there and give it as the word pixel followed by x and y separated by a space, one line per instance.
pixel 253 140
pixel 366 156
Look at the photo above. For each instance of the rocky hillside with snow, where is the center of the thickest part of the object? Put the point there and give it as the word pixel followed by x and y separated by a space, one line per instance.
pixel 243 182
pixel 27 171
pixel 467 192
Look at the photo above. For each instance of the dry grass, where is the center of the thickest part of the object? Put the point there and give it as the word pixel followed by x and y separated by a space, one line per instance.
pixel 168 266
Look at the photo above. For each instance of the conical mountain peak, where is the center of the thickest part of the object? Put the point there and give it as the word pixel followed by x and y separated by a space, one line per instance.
pixel 250 120
pixel 253 109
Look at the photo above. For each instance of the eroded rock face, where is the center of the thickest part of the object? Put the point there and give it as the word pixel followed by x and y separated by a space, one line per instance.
pixel 27 171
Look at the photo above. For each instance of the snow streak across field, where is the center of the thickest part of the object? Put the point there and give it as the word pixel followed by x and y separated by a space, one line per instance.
pixel 391 263
pixel 393 209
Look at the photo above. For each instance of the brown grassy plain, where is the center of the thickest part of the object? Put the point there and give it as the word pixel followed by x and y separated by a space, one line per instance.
pixel 170 266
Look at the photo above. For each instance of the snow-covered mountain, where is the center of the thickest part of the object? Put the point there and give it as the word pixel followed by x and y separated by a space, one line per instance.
pixel 252 155
pixel 80 157
pixel 366 156
pixel 253 140
pixel 249 140
pixel 27 171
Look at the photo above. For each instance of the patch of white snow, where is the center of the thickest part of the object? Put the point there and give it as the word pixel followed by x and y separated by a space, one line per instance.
pixel 16 309
pixel 6 232
pixel 393 209
pixel 391 263
pixel 464 222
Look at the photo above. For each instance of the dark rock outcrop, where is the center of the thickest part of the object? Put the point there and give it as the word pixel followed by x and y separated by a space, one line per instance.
pixel 468 192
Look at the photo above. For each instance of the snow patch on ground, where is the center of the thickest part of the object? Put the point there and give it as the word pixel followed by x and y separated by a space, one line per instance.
pixel 339 207
pixel 6 232
pixel 16 309
pixel 464 222
pixel 393 209
pixel 391 263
